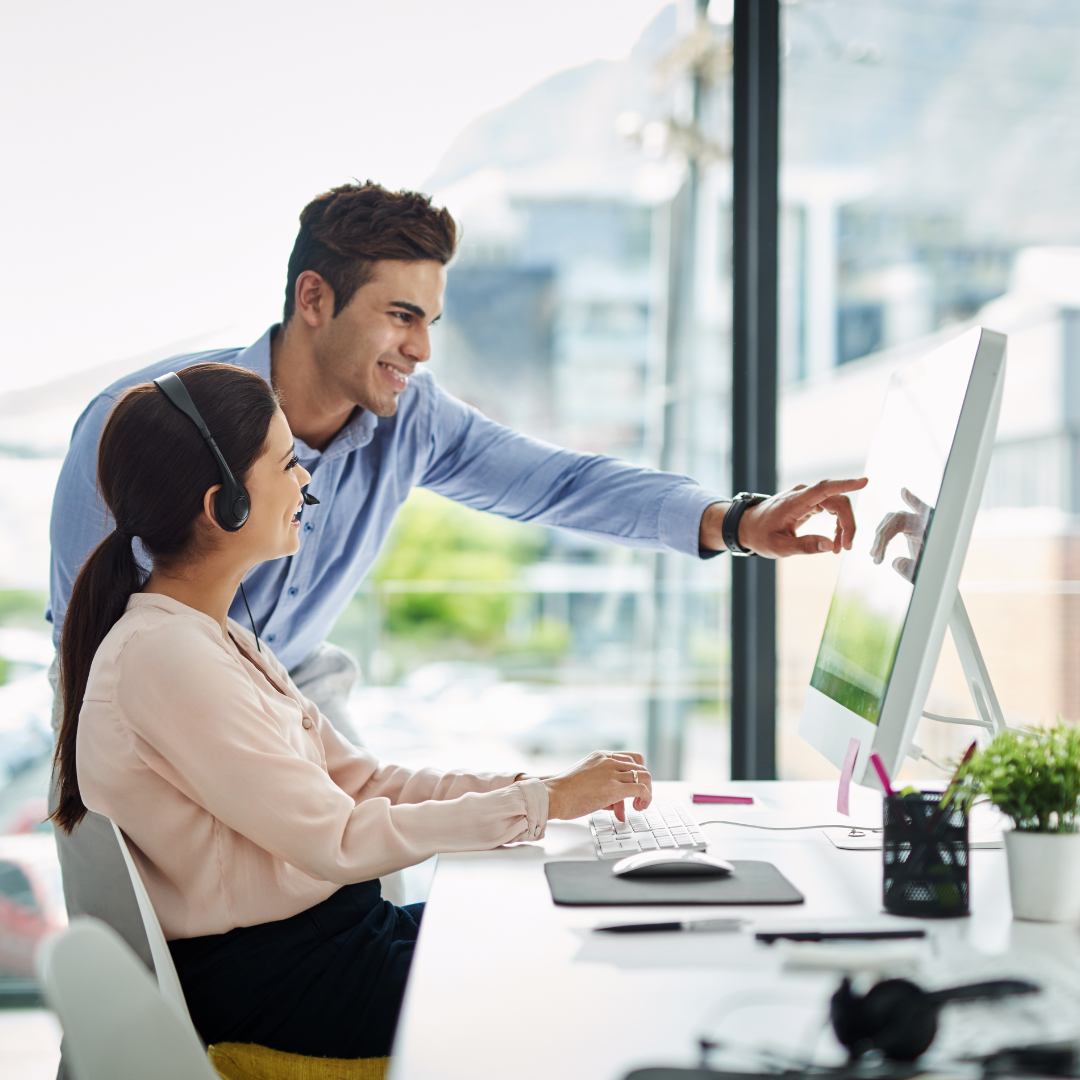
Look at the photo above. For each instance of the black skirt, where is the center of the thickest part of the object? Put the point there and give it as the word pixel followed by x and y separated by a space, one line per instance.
pixel 327 982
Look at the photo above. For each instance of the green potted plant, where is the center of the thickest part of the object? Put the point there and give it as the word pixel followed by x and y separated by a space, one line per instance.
pixel 1033 777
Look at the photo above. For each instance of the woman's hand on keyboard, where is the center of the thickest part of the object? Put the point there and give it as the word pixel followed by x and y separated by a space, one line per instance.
pixel 600 782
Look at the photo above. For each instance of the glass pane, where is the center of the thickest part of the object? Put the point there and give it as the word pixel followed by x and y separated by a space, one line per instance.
pixel 589 307
pixel 927 187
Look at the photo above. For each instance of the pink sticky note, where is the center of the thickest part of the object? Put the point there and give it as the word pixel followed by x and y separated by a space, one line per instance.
pixel 842 804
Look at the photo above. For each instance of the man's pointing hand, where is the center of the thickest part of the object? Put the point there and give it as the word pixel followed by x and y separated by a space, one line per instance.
pixel 770 528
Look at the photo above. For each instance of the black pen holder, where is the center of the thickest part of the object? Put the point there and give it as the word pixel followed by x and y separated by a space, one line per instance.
pixel 925 857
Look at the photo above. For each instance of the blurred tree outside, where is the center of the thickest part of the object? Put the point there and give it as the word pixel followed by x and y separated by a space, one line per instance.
pixel 22 610
pixel 437 540
pixel 443 588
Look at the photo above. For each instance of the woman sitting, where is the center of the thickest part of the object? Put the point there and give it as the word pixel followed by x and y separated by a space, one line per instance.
pixel 259 832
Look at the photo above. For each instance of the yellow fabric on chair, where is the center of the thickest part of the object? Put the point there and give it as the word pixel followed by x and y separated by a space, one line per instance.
pixel 249 1061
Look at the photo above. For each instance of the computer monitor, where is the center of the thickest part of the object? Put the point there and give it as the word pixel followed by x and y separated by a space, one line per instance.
pixel 926 469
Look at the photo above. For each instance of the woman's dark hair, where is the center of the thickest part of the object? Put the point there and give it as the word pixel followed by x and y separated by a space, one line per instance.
pixel 153 471
pixel 345 231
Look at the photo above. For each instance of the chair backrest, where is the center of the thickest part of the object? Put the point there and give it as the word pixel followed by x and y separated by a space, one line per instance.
pixel 117 1025
pixel 168 980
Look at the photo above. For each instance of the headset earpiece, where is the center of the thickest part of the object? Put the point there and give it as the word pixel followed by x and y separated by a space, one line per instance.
pixel 231 506
pixel 895 1017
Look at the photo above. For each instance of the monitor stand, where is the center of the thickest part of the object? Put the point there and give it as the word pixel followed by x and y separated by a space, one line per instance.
pixel 988 717
pixel 988 713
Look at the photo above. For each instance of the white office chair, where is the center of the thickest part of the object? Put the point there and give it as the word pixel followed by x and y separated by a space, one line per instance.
pixel 117 1025
pixel 167 978
pixel 231 1059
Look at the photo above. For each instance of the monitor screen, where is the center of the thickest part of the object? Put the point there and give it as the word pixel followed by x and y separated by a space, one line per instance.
pixel 893 516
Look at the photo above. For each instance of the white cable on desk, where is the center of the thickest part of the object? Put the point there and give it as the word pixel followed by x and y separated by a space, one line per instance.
pixel 794 828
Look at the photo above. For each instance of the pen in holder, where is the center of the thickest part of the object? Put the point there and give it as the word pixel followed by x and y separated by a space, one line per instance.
pixel 925 856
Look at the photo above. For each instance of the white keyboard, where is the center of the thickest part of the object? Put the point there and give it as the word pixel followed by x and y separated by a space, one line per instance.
pixel 663 825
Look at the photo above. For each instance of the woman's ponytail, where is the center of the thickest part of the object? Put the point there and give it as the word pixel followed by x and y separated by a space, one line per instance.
pixel 153 471
pixel 99 598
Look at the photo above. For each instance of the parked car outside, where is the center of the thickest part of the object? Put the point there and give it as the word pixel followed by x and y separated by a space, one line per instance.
pixel 31 899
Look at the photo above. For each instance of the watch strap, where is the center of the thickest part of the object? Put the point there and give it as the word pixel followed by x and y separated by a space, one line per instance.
pixel 729 530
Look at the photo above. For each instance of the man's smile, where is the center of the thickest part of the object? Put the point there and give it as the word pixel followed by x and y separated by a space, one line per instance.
pixel 397 375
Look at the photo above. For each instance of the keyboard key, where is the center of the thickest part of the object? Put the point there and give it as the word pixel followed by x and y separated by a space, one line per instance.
pixel 666 842
pixel 648 842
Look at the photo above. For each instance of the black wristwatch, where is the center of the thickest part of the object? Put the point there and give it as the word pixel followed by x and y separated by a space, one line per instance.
pixel 729 530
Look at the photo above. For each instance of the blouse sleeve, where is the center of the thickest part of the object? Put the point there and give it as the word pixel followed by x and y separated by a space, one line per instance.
pixel 356 771
pixel 211 738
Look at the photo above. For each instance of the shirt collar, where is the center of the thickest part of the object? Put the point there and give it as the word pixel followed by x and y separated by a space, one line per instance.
pixel 358 431
pixel 256 357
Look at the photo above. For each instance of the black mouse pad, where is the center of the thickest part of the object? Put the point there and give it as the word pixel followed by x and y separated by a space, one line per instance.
pixel 591 883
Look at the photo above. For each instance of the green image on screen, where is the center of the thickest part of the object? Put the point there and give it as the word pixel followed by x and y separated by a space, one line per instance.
pixel 856 656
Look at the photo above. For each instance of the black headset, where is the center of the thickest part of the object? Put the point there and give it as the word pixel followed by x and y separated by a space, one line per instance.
pixel 899 1018
pixel 231 505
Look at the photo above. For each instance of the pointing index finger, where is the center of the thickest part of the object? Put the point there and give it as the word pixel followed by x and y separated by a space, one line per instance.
pixel 824 488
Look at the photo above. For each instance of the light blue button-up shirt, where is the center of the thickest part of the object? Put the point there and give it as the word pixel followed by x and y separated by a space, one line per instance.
pixel 362 478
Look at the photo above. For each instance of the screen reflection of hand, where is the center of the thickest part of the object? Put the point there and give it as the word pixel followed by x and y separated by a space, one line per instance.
pixel 913 524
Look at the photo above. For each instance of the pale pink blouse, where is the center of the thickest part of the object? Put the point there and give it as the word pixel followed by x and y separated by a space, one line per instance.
pixel 242 804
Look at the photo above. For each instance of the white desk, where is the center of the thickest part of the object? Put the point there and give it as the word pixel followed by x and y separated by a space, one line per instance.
pixel 506 984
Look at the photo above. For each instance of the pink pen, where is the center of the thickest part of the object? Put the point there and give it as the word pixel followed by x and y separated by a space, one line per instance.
pixel 742 800
pixel 883 776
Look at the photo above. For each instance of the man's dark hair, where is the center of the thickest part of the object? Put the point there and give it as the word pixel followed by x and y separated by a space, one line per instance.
pixel 345 231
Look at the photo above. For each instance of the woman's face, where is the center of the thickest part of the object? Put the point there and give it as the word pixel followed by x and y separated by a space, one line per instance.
pixel 274 484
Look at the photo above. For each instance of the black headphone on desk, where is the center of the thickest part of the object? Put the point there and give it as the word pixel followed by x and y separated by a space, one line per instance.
pixel 231 505
pixel 899 1018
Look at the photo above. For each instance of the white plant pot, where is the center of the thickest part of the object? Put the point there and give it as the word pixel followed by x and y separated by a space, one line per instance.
pixel 1044 875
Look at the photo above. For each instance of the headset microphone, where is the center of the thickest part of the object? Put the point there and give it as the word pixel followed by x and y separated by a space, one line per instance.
pixel 232 505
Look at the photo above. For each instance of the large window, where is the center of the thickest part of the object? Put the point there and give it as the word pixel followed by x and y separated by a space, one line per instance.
pixel 928 184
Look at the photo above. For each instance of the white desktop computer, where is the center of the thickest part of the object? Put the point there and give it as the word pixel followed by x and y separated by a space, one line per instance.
pixel 897 586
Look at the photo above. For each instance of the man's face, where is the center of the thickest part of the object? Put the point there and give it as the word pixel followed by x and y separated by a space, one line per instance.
pixel 368 351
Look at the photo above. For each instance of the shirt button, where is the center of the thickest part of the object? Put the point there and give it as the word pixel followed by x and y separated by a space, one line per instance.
pixel 271 637
pixel 307 723
pixel 308 526
pixel 293 590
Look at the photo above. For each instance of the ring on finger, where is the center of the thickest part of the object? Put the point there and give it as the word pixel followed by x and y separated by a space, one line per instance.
pixel 634 774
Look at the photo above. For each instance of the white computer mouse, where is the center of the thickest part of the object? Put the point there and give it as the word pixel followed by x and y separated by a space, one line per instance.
pixel 670 864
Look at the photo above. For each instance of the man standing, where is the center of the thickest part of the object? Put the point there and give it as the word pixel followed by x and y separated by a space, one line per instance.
pixel 365 282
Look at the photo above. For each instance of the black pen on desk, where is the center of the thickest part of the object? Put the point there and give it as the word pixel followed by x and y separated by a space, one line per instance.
pixel 685 926
pixel 768 937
